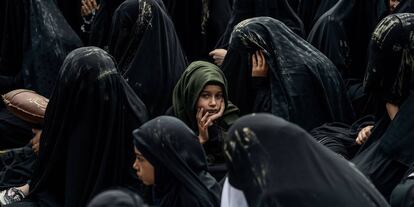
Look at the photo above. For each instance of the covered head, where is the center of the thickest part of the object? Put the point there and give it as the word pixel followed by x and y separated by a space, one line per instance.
pixel 86 144
pixel 298 74
pixel 188 89
pixel 276 163
pixel 391 60
pixel 179 162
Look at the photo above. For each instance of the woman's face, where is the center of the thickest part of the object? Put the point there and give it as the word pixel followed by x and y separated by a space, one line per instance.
pixel 145 171
pixel 210 99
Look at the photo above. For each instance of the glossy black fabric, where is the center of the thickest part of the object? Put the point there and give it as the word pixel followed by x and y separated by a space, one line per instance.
pixel 179 162
pixel 301 81
pixel 388 152
pixel 343 34
pixel 14 132
pixel 148 51
pixel 276 163
pixel 86 145
pixel 71 10
pixel 12 17
pixel 35 44
pixel 245 9
pixel 309 11
pixel 199 24
pixel 50 39
pixel 101 26
pixel 118 197
pixel 16 167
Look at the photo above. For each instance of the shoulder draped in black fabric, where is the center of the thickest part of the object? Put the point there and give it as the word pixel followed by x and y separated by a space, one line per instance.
pixel 86 145
pixel 101 25
pixel 303 82
pixel 245 9
pixel 46 40
pixel 148 51
pixel 179 161
pixel 50 40
pixel 309 11
pixel 276 163
pixel 12 19
pixel 390 76
pixel 343 33
pixel 118 197
pixel 199 24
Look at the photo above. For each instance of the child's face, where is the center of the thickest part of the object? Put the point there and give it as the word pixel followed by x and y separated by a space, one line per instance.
pixel 210 99
pixel 145 171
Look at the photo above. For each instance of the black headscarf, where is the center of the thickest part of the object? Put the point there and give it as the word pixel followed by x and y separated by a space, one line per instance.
pixel 148 51
pixel 245 9
pixel 199 24
pixel 86 145
pixel 101 25
pixel 303 82
pixel 390 77
pixel 179 161
pixel 309 11
pixel 276 163
pixel 343 33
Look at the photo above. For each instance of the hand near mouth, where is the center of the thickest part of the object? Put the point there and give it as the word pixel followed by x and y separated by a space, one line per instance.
pixel 207 120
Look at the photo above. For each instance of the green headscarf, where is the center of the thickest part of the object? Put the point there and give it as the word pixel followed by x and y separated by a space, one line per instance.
pixel 187 91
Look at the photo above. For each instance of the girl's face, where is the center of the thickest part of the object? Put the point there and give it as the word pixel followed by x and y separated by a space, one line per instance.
pixel 210 99
pixel 145 171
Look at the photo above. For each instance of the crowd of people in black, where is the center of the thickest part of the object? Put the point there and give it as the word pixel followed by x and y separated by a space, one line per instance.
pixel 230 103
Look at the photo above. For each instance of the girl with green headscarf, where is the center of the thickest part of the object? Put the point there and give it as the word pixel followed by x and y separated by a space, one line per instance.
pixel 200 100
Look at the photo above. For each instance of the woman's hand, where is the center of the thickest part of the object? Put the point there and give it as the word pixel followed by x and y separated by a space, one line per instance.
pixel 259 65
pixel 88 6
pixel 218 55
pixel 36 140
pixel 364 134
pixel 205 120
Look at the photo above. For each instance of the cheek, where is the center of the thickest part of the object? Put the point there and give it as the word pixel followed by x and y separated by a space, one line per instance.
pixel 201 103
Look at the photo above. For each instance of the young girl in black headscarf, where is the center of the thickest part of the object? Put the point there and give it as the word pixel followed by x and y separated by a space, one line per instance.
pixel 276 163
pixel 170 157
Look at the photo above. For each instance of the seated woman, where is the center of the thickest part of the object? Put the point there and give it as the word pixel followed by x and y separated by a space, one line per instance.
pixel 271 69
pixel 387 151
pixel 146 47
pixel 169 157
pixel 86 142
pixel 200 101
pixel 276 163
pixel 117 197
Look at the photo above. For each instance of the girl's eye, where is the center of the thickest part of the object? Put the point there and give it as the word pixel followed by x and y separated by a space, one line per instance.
pixel 205 95
pixel 219 96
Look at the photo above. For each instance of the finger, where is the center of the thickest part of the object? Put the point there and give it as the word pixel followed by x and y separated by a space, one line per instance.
pixel 259 59
pixel 263 57
pixel 94 4
pixel 208 123
pixel 89 4
pixel 220 113
pixel 205 117
pixel 212 53
pixel 254 61
pixel 199 114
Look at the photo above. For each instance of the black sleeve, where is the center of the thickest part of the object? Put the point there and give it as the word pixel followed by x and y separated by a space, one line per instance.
pixel 262 96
